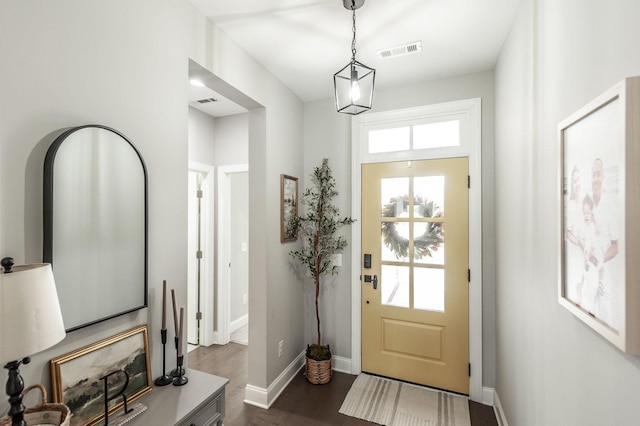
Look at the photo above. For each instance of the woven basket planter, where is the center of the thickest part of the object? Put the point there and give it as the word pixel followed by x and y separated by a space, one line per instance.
pixel 318 372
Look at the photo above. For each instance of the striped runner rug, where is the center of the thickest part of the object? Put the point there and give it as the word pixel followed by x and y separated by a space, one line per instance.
pixel 392 403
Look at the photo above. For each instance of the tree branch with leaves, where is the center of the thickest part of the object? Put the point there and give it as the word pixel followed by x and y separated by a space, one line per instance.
pixel 318 228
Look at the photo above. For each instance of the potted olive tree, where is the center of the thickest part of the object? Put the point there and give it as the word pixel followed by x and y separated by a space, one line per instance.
pixel 318 229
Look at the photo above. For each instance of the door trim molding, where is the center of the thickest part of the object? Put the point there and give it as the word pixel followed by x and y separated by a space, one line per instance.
pixel 471 110
pixel 223 306
pixel 208 261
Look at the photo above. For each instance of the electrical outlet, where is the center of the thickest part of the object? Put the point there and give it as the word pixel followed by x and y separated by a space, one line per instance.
pixel 281 348
pixel 244 299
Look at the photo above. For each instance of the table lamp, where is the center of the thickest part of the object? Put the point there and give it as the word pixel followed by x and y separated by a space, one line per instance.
pixel 30 322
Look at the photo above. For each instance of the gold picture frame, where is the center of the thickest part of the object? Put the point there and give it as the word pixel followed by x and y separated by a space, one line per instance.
pixel 76 376
pixel 288 207
pixel 599 202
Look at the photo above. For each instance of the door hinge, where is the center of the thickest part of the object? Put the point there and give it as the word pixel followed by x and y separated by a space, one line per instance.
pixel 469 369
pixel 199 254
pixel 199 193
pixel 468 181
pixel 469 275
pixel 198 316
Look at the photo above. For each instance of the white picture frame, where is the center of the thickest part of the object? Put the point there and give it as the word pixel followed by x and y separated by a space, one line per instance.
pixel 599 202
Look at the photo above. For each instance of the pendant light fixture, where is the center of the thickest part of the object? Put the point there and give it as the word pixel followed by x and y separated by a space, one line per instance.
pixel 354 83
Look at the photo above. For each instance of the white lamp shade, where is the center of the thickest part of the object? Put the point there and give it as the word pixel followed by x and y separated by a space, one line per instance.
pixel 30 317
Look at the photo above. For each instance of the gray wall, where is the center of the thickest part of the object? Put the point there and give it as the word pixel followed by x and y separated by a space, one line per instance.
pixel 328 134
pixel 239 245
pixel 551 368
pixel 201 136
pixel 274 134
pixel 65 65
pixel 224 141
pixel 232 140
pixel 221 141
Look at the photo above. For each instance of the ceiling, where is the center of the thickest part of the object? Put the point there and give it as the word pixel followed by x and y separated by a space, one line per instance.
pixel 304 42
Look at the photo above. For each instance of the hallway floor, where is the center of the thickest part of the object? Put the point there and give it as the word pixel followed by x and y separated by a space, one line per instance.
pixel 300 403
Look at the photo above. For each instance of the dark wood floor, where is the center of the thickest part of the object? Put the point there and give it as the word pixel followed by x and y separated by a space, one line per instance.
pixel 301 403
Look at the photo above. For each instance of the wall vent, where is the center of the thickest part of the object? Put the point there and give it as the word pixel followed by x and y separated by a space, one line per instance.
pixel 406 49
pixel 207 100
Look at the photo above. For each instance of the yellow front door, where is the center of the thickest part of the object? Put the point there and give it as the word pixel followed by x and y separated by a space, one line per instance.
pixel 415 290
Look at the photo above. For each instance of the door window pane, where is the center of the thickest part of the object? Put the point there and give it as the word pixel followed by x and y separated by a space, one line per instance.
pixel 428 242
pixel 428 289
pixel 395 241
pixel 429 194
pixel 394 286
pixel 394 197
pixel 436 135
pixel 395 204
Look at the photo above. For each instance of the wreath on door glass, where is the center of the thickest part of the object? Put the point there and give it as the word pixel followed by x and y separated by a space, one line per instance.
pixel 425 244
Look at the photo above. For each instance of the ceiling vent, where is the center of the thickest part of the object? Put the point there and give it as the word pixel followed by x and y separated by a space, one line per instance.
pixel 406 49
pixel 207 100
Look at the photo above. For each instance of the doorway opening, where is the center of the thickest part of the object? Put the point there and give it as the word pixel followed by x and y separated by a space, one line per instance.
pixel 200 263
pixel 233 254
pixel 419 134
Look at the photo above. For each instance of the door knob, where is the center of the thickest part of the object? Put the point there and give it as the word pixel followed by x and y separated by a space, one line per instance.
pixel 375 282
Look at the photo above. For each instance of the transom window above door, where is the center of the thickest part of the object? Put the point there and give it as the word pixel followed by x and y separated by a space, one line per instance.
pixel 432 131
pixel 436 134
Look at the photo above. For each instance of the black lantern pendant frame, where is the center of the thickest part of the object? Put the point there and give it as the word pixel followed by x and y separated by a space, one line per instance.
pixel 354 75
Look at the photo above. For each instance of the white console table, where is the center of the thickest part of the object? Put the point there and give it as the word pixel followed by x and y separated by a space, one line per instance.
pixel 198 403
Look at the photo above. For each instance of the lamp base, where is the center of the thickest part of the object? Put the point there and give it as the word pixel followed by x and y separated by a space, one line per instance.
pixel 15 386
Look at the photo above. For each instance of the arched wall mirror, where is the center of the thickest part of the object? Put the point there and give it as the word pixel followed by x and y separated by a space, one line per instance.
pixel 95 224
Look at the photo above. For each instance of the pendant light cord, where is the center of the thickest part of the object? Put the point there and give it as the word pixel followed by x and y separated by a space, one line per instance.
pixel 353 41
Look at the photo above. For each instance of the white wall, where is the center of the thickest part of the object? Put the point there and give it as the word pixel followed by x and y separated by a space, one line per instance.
pixel 551 368
pixel 328 134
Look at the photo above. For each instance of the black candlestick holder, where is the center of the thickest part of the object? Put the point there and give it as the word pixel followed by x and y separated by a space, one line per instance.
pixel 179 371
pixel 181 379
pixel 165 379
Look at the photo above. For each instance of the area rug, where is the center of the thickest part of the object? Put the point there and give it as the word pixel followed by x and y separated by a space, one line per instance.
pixel 392 403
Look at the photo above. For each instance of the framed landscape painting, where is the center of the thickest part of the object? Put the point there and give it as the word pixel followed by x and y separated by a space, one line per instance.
pixel 600 197
pixel 78 377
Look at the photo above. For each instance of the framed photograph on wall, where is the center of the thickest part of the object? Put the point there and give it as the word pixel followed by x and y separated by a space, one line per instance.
pixel 288 207
pixel 77 378
pixel 600 199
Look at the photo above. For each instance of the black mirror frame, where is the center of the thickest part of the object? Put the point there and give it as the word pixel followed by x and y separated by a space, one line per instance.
pixel 47 254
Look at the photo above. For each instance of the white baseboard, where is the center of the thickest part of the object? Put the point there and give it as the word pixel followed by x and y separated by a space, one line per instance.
pixel 263 398
pixel 497 408
pixel 254 395
pixel 487 395
pixel 341 364
pixel 238 323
